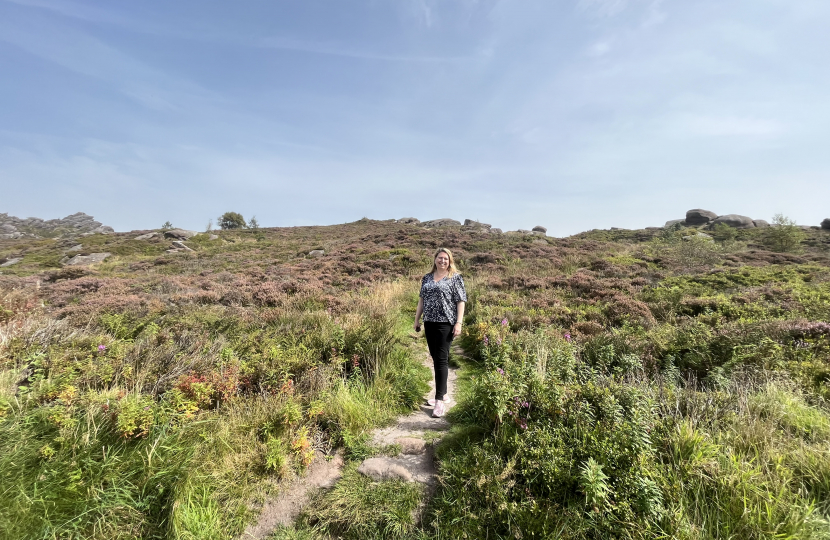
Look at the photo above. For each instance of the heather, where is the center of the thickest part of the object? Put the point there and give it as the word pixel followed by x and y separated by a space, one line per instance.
pixel 617 384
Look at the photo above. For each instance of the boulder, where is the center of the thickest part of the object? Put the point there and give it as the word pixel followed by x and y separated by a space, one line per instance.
pixel 539 228
pixel 673 222
pixel 78 247
pixel 9 262
pixel 316 253
pixel 826 224
pixel 443 222
pixel 538 233
pixel 83 260
pixel 495 230
pixel 735 221
pixel 476 224
pixel 180 245
pixel 179 234
pixel 697 216
pixel 381 468
pixel 146 236
pixel 213 237
pixel 409 220
pixel 760 223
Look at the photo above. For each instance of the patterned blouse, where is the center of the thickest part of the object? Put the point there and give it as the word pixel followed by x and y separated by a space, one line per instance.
pixel 440 298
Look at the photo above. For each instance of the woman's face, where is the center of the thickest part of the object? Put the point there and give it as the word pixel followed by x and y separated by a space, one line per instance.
pixel 442 261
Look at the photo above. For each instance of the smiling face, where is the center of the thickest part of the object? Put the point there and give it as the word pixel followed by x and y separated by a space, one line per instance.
pixel 442 261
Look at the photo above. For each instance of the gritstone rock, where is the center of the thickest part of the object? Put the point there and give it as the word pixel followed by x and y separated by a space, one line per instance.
pixel 409 220
pixel 212 237
pixel 83 260
pixel 673 222
pixel 9 262
pixel 734 221
pixel 476 224
pixel 698 216
pixel 495 230
pixel 79 224
pixel 179 234
pixel 826 224
pixel 383 469
pixel 146 236
pixel 78 247
pixel 539 228
pixel 316 253
pixel 411 446
pixel 760 223
pixel 180 245
pixel 443 222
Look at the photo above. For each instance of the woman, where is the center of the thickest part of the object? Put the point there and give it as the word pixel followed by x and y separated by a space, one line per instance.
pixel 441 302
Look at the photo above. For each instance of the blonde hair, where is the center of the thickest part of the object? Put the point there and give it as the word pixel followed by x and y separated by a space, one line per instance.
pixel 451 269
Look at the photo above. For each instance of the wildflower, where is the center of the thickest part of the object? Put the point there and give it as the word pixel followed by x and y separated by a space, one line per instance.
pixel 486 341
pixel 500 370
pixel 525 404
pixel 504 322
pixel 567 336
pixel 498 341
pixel 102 348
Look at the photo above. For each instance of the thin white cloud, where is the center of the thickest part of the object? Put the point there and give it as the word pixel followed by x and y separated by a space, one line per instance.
pixel 335 49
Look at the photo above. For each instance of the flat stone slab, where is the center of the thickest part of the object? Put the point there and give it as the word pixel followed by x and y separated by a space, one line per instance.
pixel 146 236
pixel 385 468
pixel 411 446
pixel 11 262
pixel 83 260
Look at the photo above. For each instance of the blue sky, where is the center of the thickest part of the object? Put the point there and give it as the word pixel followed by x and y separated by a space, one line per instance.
pixel 573 114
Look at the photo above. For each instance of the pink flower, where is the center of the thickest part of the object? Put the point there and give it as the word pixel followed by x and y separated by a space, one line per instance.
pixel 504 322
pixel 500 370
pixel 486 341
pixel 102 348
pixel 567 336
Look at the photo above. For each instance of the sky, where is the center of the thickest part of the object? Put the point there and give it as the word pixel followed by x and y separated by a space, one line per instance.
pixel 571 114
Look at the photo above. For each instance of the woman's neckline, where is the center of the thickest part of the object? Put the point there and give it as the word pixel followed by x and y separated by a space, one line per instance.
pixel 442 279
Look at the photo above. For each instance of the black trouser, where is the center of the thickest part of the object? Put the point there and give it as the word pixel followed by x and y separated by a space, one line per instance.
pixel 439 336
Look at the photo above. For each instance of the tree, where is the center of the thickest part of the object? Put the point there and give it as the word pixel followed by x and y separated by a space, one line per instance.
pixel 167 226
pixel 784 235
pixel 209 225
pixel 232 220
pixel 253 223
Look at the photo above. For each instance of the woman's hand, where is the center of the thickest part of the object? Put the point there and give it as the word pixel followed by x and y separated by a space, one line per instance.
pixel 456 330
pixel 417 326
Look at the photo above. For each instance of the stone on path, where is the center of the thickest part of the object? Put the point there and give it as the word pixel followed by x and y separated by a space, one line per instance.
pixel 384 468
pixel 411 446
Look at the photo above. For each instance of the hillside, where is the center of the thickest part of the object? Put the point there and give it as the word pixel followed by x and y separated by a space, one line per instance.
pixel 658 383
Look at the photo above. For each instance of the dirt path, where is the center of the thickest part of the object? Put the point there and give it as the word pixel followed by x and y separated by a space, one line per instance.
pixel 416 462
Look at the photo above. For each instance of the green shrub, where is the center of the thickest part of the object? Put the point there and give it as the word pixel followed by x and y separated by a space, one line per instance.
pixel 784 235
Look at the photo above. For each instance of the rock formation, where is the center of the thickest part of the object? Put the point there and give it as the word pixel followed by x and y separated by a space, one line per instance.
pixel 826 224
pixel 443 222
pixel 734 220
pixel 79 224
pixel 697 216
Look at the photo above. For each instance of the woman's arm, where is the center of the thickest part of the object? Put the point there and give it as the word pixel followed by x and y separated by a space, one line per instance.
pixel 418 313
pixel 456 330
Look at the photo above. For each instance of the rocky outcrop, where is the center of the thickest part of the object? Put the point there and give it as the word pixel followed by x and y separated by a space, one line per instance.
pixel 316 253
pixel 443 222
pixel 539 228
pixel 697 216
pixel 78 224
pixel 735 221
pixel 673 222
pixel 85 260
pixel 9 262
pixel 179 234
pixel 146 236
pixel 409 221
pixel 826 224
pixel 760 223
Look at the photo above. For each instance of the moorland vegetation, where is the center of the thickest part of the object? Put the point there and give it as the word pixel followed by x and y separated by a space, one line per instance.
pixel 615 384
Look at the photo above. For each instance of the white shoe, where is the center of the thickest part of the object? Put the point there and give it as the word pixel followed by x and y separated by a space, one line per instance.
pixel 440 409
pixel 431 401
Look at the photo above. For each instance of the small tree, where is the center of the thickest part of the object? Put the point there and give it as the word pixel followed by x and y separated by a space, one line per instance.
pixel 784 235
pixel 209 225
pixel 167 226
pixel 253 223
pixel 232 220
pixel 724 233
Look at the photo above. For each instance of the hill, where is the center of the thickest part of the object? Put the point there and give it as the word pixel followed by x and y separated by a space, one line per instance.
pixel 669 382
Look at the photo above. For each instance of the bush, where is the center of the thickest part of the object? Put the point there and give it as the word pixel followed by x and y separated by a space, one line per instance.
pixel 232 220
pixel 784 235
